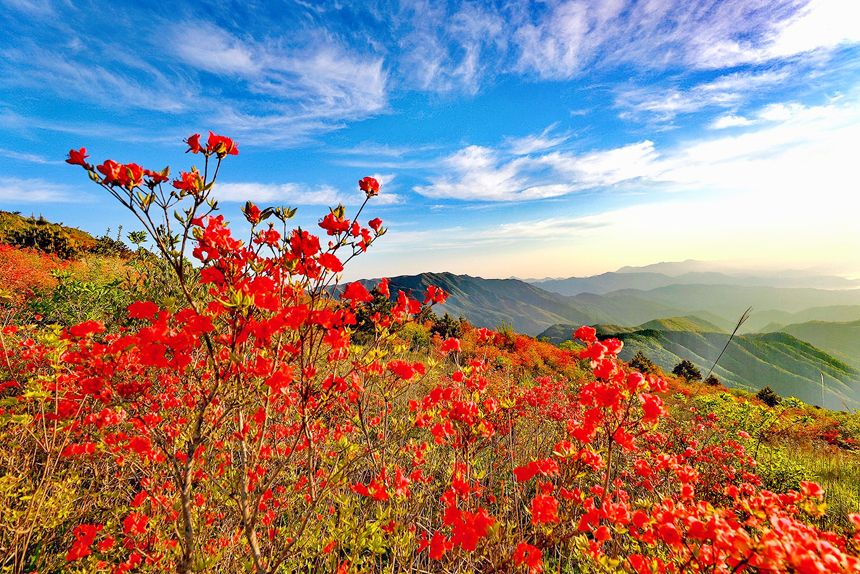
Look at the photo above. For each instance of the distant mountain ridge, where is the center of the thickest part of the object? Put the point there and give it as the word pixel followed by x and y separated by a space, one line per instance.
pixel 644 280
pixel 492 302
pixel 530 309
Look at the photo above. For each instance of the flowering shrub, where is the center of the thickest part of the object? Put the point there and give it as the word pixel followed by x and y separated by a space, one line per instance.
pixel 246 428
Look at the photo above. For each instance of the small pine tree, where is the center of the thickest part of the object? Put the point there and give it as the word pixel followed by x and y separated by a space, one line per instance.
pixel 642 363
pixel 712 381
pixel 768 396
pixel 688 371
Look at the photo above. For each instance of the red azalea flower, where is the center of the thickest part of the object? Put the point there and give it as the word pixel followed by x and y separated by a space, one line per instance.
pixel 193 144
pixel 450 345
pixel 221 146
pixel 369 185
pixel 357 293
pixel 252 213
pixel 189 181
pixel 84 536
pixel 111 170
pixel 586 334
pixel 330 262
pixel 544 509
pixel 78 157
pixel 156 177
pixel 530 556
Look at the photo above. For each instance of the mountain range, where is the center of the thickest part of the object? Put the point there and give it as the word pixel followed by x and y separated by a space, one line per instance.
pixel 530 309
pixel 798 332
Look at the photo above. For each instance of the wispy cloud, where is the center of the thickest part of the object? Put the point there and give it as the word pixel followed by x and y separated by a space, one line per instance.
pixel 291 194
pixel 537 142
pixel 20 190
pixel 573 35
pixel 29 157
pixel 69 76
pixel 477 173
pixel 730 121
pixel 444 52
pixel 291 90
pixel 727 91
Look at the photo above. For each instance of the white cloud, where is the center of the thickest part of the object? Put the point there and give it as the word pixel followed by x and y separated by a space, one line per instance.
pixel 752 161
pixel 481 174
pixel 311 85
pixel 20 190
pixel 28 157
pixel 444 52
pixel 605 167
pixel 816 25
pixel 727 91
pixel 291 194
pixel 536 142
pixel 569 36
pixel 730 121
pixel 477 173
pixel 145 88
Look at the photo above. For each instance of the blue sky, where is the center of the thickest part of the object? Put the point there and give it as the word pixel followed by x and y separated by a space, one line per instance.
pixel 524 139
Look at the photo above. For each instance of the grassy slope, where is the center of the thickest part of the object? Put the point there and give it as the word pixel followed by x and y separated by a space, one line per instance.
pixel 13 221
pixel 786 364
pixel 842 340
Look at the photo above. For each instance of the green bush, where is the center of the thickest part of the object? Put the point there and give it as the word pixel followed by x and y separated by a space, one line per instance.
pixel 768 396
pixel 687 370
pixel 44 236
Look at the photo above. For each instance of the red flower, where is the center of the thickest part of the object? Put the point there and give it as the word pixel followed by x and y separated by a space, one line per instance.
pixel 142 310
pixel 545 467
pixel 330 262
pixel 78 157
pixel 334 224
pixel 438 546
pixel 86 328
pixel 134 524
pixel 189 181
pixel 131 175
pixel 84 535
pixel 110 169
pixel 530 556
pixel 252 213
pixel 357 293
pixel 586 334
pixel 221 146
pixel 193 144
pixel 382 288
pixel 811 489
pixel 156 177
pixel 450 345
pixel 544 509
pixel 375 224
pixel 652 406
pixel 369 186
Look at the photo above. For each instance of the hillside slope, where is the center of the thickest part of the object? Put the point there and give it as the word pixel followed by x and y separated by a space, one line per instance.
pixel 788 365
pixel 842 340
